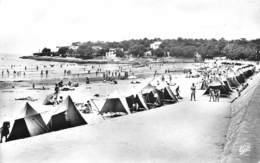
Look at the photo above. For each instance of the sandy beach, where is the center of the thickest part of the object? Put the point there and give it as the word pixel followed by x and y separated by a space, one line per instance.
pixel 187 131
pixel 13 86
pixel 183 132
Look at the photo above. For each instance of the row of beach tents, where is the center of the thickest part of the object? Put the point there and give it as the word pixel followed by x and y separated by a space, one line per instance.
pixel 31 123
pixel 149 97
pixel 232 81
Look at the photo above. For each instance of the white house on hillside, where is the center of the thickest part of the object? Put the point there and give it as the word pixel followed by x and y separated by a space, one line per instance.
pixel 96 48
pixel 197 57
pixel 111 53
pixel 155 45
pixel 75 45
pixel 148 53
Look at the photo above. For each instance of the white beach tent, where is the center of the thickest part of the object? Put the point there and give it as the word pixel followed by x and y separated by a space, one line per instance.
pixel 115 103
pixel 31 124
pixel 166 92
pixel 65 116
pixel 136 97
pixel 141 101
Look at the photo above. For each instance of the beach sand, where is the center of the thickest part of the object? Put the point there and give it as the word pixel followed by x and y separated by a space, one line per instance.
pixel 188 131
pixel 182 132
pixel 23 86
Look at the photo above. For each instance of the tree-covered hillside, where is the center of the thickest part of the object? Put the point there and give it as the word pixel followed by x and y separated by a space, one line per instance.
pixel 207 48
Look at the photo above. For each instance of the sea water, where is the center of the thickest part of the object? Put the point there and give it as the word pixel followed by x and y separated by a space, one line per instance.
pixel 28 69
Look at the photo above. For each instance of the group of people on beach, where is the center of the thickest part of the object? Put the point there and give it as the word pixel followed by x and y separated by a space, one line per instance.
pixel 87 107
pixel 214 94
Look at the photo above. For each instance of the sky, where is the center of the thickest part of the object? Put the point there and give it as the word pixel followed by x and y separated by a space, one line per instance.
pixel 27 26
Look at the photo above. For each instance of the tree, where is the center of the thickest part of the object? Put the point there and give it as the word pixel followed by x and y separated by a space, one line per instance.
pixel 158 52
pixel 119 53
pixel 46 51
pixel 63 50
pixel 102 52
pixel 137 50
pixel 85 51
pixel 181 47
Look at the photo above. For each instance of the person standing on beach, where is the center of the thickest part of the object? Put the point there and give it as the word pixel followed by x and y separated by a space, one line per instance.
pixel 177 90
pixel 56 89
pixel 193 92
pixel 46 72
pixel 89 106
pixel 170 77
pixel 41 73
pixel 217 94
pixel 87 80
pixel 155 72
pixel 211 95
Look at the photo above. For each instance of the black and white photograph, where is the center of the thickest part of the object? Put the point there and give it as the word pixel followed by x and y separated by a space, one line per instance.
pixel 129 81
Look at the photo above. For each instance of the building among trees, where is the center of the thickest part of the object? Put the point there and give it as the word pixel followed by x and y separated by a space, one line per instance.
pixel 115 52
pixel 155 45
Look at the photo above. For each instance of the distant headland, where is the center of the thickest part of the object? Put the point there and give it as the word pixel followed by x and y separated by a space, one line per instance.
pixel 120 52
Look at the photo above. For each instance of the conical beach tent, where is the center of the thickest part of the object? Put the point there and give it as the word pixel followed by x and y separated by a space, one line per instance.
pixel 240 78
pixel 168 95
pixel 31 124
pixel 136 99
pixel 227 85
pixel 152 96
pixel 233 82
pixel 130 101
pixel 141 101
pixel 66 116
pixel 204 85
pixel 217 85
pixel 115 104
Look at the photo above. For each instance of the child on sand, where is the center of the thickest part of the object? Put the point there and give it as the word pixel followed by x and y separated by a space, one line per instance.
pixel 5 131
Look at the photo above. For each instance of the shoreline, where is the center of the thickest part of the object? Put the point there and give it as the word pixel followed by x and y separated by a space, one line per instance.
pixel 101 61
